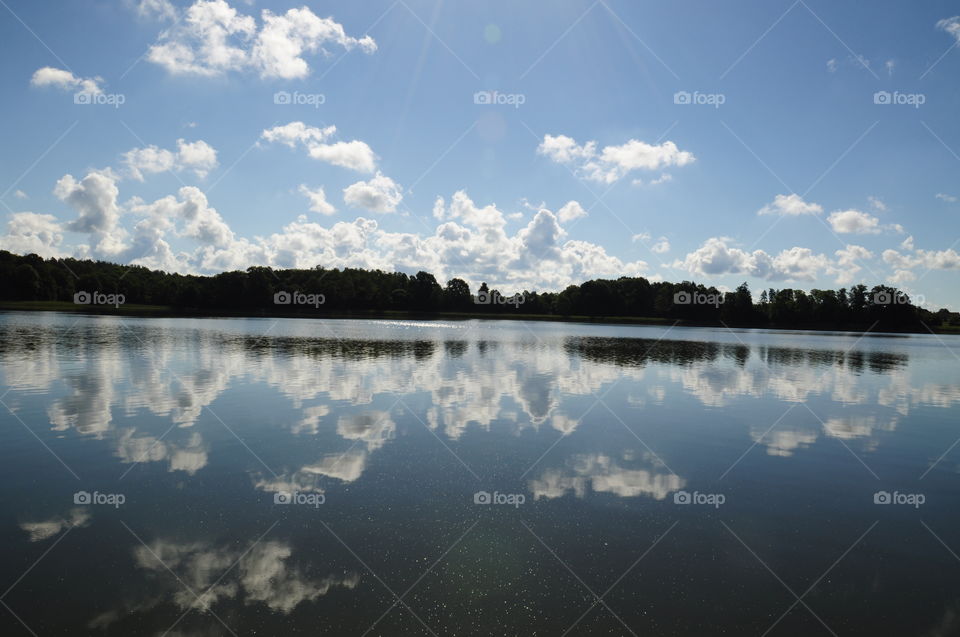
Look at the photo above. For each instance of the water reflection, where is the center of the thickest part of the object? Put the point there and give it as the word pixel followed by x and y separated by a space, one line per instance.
pixel 603 474
pixel 389 421
pixel 102 371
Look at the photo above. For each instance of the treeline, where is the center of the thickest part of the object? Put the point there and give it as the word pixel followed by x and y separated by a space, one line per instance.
pixel 320 290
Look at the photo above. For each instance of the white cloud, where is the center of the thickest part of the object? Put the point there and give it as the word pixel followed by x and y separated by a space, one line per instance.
pixel 570 211
pixel 790 206
pixel 355 155
pixel 29 232
pixel 951 26
pixel 439 208
pixel 944 197
pixel 318 200
pixel 662 246
pixel 832 65
pixel 19 194
pixel 877 203
pixel 612 162
pixel 95 199
pixel 847 266
pixel 157 9
pixel 198 156
pixel 471 243
pixel 798 264
pixel 853 222
pixel 212 38
pixel 380 194
pixel 928 259
pixel 151 159
pixel 715 258
pixel 66 81
pixel 284 38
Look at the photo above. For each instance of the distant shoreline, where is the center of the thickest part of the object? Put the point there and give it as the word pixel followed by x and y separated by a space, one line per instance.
pixel 160 311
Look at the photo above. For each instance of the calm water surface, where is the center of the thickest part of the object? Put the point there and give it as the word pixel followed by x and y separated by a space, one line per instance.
pixel 279 477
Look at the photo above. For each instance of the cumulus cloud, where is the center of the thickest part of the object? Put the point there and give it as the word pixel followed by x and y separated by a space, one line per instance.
pixel 470 242
pixel 95 199
pixel 790 206
pixel 847 263
pixel 662 246
pixel 612 162
pixel 929 259
pixel 29 232
pixel 853 222
pixel 65 81
pixel 380 194
pixel 213 38
pixel 570 211
pixel 945 197
pixel 198 156
pixel 157 9
pixel 355 155
pixel 715 257
pixel 318 200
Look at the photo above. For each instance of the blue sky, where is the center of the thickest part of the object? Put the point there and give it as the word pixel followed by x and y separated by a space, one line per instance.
pixel 821 147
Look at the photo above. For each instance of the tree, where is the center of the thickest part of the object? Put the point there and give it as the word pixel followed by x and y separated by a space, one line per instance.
pixel 456 296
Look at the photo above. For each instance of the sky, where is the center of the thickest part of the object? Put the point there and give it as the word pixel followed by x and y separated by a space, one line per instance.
pixel 530 145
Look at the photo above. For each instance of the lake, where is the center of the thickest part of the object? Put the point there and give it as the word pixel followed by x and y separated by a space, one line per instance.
pixel 365 477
